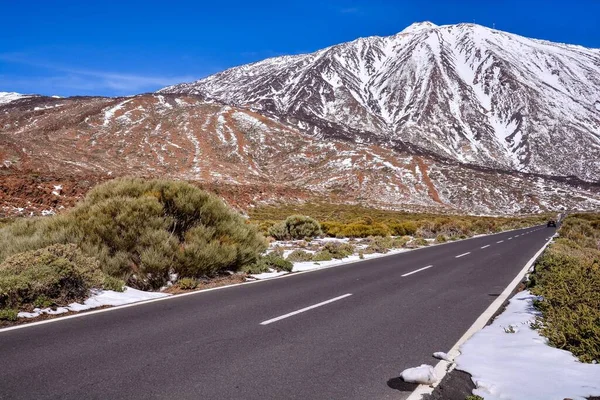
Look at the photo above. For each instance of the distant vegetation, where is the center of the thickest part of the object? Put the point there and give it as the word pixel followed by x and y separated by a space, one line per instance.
pixel 567 276
pixel 295 227
pixel 137 231
pixel 360 222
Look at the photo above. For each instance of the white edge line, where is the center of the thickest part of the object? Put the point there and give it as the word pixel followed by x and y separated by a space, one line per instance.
pixel 139 303
pixel 443 367
pixel 463 254
pixel 484 247
pixel 284 316
pixel 417 270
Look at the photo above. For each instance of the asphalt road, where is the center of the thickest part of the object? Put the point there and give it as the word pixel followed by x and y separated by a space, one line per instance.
pixel 377 318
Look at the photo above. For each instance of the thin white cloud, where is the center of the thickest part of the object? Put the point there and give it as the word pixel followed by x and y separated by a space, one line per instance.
pixel 62 78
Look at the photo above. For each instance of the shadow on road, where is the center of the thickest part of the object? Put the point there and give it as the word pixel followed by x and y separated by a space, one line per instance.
pixel 399 384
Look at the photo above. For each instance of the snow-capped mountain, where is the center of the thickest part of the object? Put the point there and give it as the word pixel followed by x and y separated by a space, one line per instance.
pixel 458 92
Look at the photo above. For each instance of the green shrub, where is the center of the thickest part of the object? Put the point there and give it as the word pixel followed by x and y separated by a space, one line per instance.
pixel 296 227
pixel 279 231
pixel 187 283
pixel 8 314
pixel 441 239
pixel 339 250
pixel 277 262
pixel 273 260
pixel 59 274
pixel 322 255
pixel 400 242
pixel 402 229
pixel 379 244
pixel 474 397
pixel 42 302
pixel 299 256
pixel 112 283
pixel 257 267
pixel 417 242
pixel 142 230
pixel 567 277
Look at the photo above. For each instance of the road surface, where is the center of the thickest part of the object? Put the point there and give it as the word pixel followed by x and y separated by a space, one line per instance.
pixel 339 333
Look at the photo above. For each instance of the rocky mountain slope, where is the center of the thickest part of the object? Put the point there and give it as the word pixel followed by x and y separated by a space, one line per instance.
pixel 53 149
pixel 462 93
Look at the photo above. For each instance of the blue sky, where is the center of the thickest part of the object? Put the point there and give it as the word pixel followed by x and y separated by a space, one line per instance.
pixel 88 47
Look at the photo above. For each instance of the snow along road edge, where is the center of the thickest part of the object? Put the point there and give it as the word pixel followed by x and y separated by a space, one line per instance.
pixel 443 367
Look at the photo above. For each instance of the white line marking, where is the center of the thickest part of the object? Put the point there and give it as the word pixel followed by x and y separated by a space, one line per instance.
pixel 443 367
pixel 483 247
pixel 270 321
pixel 462 255
pixel 509 238
pixel 417 270
pixel 500 241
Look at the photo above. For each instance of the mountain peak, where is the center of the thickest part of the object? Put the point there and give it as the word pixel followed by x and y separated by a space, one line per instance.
pixel 419 26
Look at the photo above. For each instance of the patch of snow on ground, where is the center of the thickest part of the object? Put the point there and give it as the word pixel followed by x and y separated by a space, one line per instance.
pixel 423 374
pixel 267 275
pixel 441 355
pixel 521 365
pixel 99 298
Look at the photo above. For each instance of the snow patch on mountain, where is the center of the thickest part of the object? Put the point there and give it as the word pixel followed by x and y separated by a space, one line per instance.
pixel 7 97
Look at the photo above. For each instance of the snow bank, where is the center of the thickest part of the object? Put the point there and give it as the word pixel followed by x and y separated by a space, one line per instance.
pixel 99 298
pixel 270 274
pixel 423 374
pixel 442 356
pixel 521 365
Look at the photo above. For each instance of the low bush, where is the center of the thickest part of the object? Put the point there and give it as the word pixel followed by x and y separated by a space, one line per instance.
pixel 417 242
pixel 8 314
pixel 339 250
pixel 58 274
pixel 355 230
pixel 257 267
pixel 379 244
pixel 322 255
pixel 296 227
pixel 299 256
pixel 441 239
pixel 403 229
pixel 187 283
pixel 277 262
pixel 273 260
pixel 567 277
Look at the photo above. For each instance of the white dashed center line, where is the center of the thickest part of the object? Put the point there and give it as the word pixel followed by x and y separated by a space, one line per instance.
pixel 417 270
pixel 270 321
pixel 487 245
pixel 462 255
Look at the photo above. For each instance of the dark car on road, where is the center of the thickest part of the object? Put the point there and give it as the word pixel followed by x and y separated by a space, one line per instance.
pixel 552 224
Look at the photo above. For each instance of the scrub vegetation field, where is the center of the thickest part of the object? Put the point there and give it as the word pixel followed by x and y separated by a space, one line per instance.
pixel 153 234
pixel 356 221
pixel 567 277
